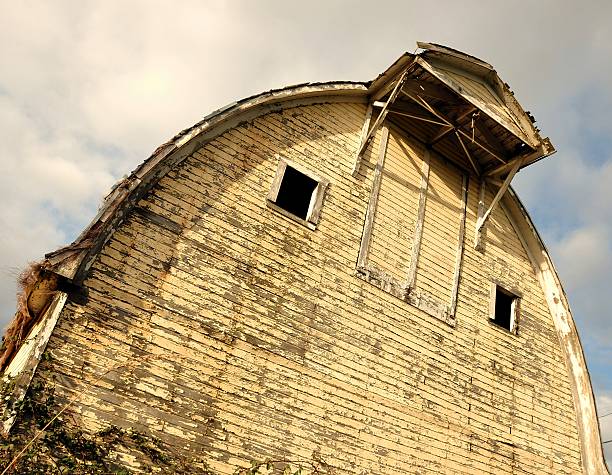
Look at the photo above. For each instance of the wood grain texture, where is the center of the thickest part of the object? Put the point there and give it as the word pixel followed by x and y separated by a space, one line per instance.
pixel 373 202
pixel 254 338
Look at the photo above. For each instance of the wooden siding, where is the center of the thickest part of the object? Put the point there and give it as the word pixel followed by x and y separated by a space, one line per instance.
pixel 245 335
pixel 441 225
pixel 398 201
pixel 478 91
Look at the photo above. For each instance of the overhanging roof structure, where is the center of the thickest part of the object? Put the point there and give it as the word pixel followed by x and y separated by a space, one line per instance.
pixel 459 107
pixel 453 103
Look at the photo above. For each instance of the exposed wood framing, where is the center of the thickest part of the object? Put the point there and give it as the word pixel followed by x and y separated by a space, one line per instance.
pixel 423 103
pixel 381 117
pixel 371 211
pixel 481 212
pixel 494 181
pixel 490 138
pixel 483 146
pixel 412 112
pixel 482 219
pixel 419 140
pixel 468 154
pixel 364 134
pixel 528 136
pixel 418 232
pixel 443 133
pixel 382 92
pixel 459 258
pixel 416 117
pixel 453 125
pixel 544 150
pixel 500 170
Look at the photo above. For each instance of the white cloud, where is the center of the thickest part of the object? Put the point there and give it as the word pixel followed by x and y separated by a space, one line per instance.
pixel 584 256
pixel 604 408
pixel 89 89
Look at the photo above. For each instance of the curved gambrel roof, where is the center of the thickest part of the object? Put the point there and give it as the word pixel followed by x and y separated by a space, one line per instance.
pixel 463 76
pixel 73 262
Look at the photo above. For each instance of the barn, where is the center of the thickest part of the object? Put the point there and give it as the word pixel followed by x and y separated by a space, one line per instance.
pixel 329 277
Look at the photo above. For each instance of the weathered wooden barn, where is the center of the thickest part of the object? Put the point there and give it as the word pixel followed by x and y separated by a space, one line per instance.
pixel 331 275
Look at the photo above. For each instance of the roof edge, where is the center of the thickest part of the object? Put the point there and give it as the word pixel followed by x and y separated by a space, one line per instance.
pixel 454 52
pixel 433 53
pixel 580 382
pixel 73 261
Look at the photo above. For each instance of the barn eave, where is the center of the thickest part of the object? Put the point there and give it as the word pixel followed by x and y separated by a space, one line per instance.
pixel 459 106
pixel 73 262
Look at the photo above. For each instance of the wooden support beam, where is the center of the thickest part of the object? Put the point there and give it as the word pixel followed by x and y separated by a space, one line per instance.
pixel 490 138
pixel 364 133
pixel 468 154
pixel 482 146
pixel 409 110
pixel 416 117
pixel 419 100
pixel 372 204
pixel 502 189
pixel 494 181
pixel 544 150
pixel 381 117
pixel 418 232
pixel 383 113
pixel 501 169
pixel 447 129
pixel 452 126
pixel 481 212
pixel 460 245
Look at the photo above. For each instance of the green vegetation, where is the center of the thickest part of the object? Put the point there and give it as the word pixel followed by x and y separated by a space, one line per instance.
pixel 63 448
pixel 56 445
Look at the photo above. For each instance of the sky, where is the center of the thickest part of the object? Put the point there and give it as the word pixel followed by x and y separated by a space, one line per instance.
pixel 89 89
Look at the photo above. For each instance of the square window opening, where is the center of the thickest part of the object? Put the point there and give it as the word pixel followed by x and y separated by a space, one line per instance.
pixel 296 192
pixel 505 308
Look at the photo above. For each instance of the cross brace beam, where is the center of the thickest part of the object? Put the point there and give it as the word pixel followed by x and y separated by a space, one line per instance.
pixel 453 126
pixel 482 218
pixel 367 137
pixel 413 112
pixel 544 150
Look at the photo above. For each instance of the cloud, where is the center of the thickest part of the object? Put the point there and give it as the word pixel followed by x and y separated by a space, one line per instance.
pixel 604 407
pixel 89 89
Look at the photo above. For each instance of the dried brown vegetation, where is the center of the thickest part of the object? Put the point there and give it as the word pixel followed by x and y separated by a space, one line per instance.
pixel 36 287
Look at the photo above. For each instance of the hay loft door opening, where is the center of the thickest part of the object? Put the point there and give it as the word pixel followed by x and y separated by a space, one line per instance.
pixel 296 192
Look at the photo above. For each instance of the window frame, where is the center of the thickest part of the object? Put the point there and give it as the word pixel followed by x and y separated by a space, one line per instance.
pixel 515 309
pixel 316 199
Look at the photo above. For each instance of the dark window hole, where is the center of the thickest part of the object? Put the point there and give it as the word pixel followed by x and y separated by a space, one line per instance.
pixel 296 192
pixel 504 308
